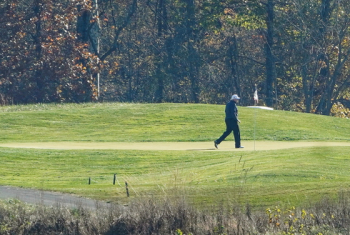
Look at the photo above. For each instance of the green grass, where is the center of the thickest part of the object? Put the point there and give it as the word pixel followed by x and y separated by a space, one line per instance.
pixel 262 178
pixel 159 122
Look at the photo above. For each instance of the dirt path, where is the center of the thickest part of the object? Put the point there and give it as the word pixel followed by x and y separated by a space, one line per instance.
pixel 67 200
pixel 39 197
pixel 173 146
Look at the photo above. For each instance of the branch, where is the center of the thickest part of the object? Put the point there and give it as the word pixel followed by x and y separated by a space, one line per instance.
pixel 119 29
pixel 94 47
pixel 95 22
pixel 248 58
pixel 343 86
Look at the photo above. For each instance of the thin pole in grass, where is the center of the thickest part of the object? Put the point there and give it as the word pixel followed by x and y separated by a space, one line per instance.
pixel 127 190
pixel 256 99
pixel 254 126
pixel 114 178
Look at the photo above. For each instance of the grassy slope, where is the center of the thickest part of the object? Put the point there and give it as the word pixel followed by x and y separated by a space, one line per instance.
pixel 261 177
pixel 159 122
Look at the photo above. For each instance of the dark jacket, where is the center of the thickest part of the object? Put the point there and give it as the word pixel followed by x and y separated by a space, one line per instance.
pixel 231 110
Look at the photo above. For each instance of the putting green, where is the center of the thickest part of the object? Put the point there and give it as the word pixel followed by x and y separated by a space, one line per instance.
pixel 173 146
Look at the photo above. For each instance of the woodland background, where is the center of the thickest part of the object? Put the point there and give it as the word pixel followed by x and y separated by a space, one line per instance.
pixel 295 52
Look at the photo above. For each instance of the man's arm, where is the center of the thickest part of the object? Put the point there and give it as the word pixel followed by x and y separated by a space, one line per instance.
pixel 235 113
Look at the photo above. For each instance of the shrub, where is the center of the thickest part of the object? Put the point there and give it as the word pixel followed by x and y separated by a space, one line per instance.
pixel 175 216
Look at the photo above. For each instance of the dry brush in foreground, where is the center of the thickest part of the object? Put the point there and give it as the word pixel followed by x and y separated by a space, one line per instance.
pixel 174 216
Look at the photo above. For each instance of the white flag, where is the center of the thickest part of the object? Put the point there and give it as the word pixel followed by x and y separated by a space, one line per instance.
pixel 256 96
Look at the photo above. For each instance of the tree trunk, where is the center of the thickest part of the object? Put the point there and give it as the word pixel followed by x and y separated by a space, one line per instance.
pixel 325 103
pixel 192 54
pixel 83 32
pixel 161 63
pixel 38 75
pixel 233 58
pixel 308 86
pixel 270 60
pixel 83 24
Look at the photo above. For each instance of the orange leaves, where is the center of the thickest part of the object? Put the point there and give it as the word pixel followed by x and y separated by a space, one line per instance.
pixel 44 46
pixel 49 39
pixel 113 68
pixel 21 34
pixel 228 11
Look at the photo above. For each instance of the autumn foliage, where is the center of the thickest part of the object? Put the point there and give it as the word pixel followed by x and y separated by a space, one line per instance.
pixel 42 59
pixel 295 52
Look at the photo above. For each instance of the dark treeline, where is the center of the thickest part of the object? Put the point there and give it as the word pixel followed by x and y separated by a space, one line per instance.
pixel 296 52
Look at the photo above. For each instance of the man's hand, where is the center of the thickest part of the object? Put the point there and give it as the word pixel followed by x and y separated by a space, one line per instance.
pixel 239 121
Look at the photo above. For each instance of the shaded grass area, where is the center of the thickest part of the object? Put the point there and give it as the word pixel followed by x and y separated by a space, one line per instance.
pixel 260 178
pixel 159 122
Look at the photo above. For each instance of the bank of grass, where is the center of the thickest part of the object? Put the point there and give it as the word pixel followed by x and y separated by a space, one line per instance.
pixel 159 122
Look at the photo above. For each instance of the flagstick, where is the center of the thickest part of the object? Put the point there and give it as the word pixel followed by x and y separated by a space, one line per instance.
pixel 255 103
pixel 254 125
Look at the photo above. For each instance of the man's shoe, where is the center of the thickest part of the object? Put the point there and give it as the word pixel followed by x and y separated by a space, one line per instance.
pixel 215 144
pixel 242 147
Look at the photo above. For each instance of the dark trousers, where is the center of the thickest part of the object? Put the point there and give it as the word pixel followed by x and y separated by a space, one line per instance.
pixel 231 125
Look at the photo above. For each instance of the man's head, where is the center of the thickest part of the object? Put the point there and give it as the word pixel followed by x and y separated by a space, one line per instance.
pixel 235 98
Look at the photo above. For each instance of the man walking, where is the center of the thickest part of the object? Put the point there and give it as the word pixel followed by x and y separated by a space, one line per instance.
pixel 231 121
